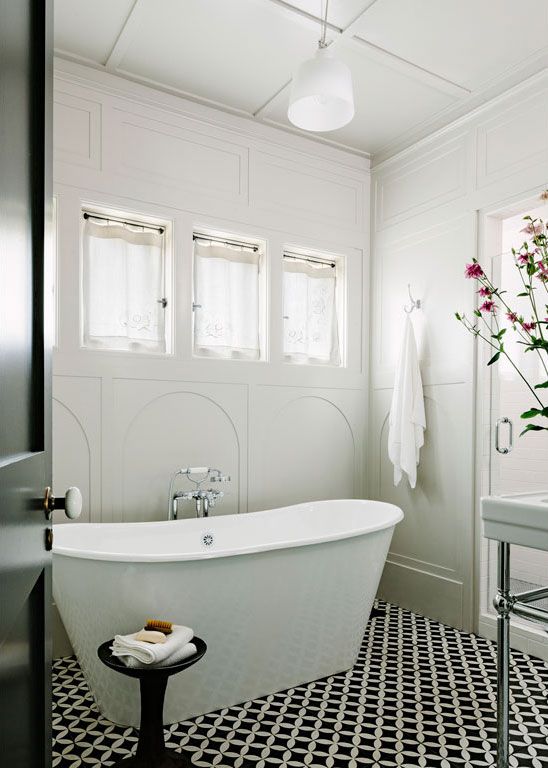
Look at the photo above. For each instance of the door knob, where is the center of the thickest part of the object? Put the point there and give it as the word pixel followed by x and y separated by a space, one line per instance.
pixel 71 502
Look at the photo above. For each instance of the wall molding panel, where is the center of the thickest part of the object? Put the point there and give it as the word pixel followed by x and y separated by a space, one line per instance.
pixel 315 193
pixel 419 259
pixel 422 184
pixel 176 157
pixel 77 130
pixel 508 144
pixel 77 440
pixel 296 435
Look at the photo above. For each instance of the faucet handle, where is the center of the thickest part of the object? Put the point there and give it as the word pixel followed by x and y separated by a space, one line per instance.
pixel 220 478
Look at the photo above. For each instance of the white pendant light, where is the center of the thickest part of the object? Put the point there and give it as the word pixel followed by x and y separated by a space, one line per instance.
pixel 322 97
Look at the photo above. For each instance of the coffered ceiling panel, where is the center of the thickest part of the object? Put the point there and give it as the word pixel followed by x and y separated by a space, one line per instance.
pixel 237 53
pixel 341 12
pixel 469 42
pixel 89 29
pixel 388 101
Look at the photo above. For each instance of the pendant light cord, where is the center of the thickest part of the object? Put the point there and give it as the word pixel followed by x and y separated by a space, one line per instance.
pixel 322 42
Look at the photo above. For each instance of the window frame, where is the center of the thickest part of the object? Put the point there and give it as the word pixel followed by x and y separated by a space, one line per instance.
pixel 138 219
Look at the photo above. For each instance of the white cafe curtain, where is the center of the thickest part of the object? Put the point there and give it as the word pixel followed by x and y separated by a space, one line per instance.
pixel 310 313
pixel 123 283
pixel 226 292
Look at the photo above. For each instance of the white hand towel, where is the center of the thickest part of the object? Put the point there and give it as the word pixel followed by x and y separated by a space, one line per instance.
pixel 407 417
pixel 181 653
pixel 148 653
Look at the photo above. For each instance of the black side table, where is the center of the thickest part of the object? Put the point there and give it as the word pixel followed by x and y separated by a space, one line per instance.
pixel 151 749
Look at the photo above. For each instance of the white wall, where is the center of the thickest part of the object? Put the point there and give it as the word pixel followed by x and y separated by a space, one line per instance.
pixel 429 206
pixel 123 422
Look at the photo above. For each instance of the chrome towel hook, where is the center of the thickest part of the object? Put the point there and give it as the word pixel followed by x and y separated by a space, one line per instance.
pixel 415 303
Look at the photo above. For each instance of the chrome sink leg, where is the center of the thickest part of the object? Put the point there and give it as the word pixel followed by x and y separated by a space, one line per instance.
pixel 503 606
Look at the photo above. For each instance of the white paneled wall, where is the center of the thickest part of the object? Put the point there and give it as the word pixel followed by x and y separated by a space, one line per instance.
pixel 428 202
pixel 124 422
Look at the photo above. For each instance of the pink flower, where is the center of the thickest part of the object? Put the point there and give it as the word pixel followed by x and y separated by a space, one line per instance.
pixel 528 327
pixel 484 292
pixel 512 317
pixel 488 306
pixel 523 258
pixel 473 271
pixel 532 229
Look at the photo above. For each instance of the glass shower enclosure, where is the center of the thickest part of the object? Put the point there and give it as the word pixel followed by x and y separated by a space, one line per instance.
pixel 513 464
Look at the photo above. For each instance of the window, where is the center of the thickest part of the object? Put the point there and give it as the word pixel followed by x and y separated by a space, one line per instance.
pixel 124 304
pixel 228 298
pixel 311 286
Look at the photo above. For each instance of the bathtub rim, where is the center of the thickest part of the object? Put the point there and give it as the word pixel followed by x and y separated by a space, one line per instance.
pixel 206 554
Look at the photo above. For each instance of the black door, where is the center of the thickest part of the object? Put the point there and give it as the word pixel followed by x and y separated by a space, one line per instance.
pixel 25 390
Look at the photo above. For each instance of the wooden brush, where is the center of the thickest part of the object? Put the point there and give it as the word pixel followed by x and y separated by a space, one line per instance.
pixel 153 625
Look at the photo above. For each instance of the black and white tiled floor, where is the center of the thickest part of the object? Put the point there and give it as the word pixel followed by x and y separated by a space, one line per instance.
pixel 420 694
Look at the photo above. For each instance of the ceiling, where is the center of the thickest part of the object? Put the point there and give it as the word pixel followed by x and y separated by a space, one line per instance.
pixel 416 64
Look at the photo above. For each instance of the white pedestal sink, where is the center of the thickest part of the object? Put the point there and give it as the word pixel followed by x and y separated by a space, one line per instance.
pixel 518 519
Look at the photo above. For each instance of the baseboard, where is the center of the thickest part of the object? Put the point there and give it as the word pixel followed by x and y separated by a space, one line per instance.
pixel 527 639
pixel 425 593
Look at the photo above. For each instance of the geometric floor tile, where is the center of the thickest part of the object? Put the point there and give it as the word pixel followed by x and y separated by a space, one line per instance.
pixel 420 694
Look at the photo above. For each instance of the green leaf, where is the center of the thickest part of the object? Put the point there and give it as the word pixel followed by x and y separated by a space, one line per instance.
pixel 544 385
pixel 498 336
pixel 494 358
pixel 532 428
pixel 526 293
pixel 532 412
pixel 458 316
pixel 477 313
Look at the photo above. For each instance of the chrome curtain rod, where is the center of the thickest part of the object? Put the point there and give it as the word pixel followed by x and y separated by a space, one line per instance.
pixel 123 221
pixel 299 257
pixel 224 241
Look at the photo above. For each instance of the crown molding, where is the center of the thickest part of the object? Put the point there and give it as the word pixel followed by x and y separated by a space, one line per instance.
pixel 457 115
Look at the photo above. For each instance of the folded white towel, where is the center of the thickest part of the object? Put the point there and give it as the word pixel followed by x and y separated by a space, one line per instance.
pixel 148 653
pixel 181 653
pixel 407 417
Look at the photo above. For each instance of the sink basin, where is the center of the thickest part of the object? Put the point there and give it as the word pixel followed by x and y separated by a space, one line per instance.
pixel 518 519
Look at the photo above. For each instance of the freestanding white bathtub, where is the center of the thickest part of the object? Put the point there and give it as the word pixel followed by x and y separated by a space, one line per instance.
pixel 281 597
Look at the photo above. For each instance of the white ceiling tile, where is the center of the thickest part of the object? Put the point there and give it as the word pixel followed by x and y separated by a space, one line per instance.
pixel 89 29
pixel 388 103
pixel 341 13
pixel 469 42
pixel 236 53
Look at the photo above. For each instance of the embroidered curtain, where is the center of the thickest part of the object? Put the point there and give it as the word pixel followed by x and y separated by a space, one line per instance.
pixel 226 290
pixel 122 282
pixel 310 313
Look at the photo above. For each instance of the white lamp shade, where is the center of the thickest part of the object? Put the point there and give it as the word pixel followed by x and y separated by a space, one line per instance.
pixel 321 98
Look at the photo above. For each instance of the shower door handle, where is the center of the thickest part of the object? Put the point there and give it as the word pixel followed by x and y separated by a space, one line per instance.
pixel 508 448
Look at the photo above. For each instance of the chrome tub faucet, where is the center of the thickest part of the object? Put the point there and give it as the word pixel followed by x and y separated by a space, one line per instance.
pixel 204 499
